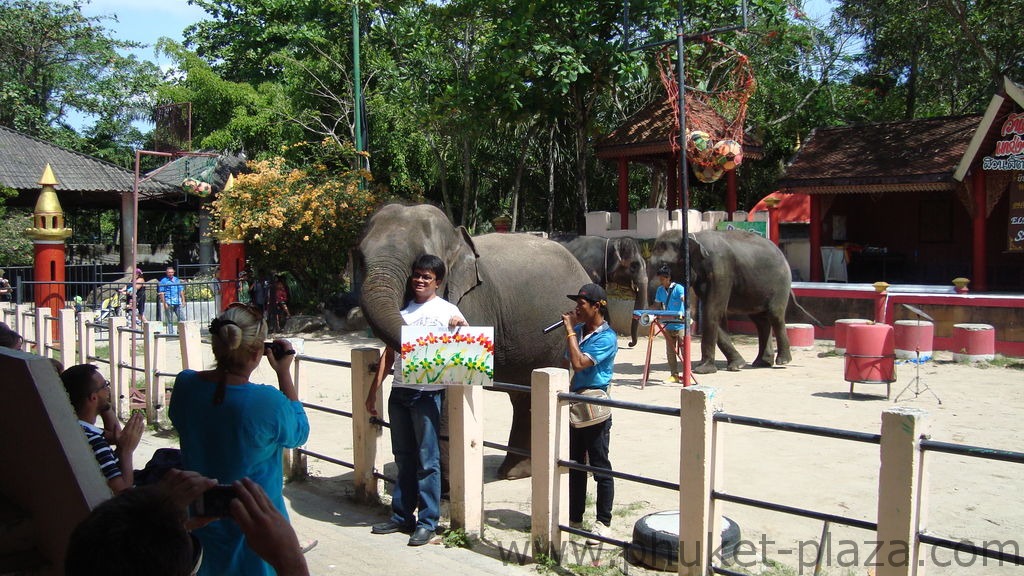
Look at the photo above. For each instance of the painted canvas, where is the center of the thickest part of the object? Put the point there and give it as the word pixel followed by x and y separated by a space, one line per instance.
pixel 438 356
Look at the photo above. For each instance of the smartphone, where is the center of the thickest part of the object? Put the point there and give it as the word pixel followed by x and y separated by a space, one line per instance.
pixel 214 502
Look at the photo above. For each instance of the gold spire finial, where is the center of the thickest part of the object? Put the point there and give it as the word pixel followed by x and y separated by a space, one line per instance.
pixel 48 217
pixel 48 179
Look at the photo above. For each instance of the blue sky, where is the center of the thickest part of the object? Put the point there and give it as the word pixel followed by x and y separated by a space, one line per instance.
pixel 146 21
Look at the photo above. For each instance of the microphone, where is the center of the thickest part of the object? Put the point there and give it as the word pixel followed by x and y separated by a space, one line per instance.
pixel 553 326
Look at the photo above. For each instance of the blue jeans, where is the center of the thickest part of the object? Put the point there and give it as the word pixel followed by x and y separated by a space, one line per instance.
pixel 415 419
pixel 178 316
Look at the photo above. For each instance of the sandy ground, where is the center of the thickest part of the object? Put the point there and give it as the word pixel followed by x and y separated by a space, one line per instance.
pixel 968 498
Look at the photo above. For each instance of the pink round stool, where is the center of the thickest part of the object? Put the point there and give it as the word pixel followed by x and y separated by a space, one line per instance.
pixel 973 342
pixel 840 335
pixel 801 336
pixel 915 339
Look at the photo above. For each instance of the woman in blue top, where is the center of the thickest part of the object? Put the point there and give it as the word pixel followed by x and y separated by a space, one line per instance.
pixel 591 353
pixel 231 428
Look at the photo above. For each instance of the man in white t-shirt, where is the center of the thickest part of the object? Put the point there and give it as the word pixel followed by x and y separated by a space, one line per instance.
pixel 414 413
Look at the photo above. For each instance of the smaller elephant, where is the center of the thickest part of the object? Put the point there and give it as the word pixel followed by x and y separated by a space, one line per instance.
pixel 733 272
pixel 613 260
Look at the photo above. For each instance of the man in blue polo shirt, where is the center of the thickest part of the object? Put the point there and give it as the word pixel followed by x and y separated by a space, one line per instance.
pixel 591 348
pixel 172 300
pixel 671 296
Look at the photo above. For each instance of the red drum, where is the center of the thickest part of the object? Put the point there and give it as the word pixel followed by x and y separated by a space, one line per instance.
pixel 973 342
pixel 841 325
pixel 915 339
pixel 801 336
pixel 870 355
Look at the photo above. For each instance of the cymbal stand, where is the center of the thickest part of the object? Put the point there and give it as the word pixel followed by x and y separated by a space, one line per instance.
pixel 916 382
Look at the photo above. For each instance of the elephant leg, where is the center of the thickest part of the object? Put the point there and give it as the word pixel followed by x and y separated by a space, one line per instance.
pixel 734 360
pixel 516 465
pixel 778 323
pixel 708 338
pixel 764 341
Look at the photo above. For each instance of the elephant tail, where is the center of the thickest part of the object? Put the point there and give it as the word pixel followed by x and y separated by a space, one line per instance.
pixel 792 300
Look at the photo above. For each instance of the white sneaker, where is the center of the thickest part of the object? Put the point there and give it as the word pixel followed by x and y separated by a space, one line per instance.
pixel 599 529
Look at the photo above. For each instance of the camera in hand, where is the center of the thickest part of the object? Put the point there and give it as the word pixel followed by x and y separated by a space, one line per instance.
pixel 215 502
pixel 277 349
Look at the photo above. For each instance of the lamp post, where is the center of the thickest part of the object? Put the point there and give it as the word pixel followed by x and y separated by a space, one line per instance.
pixel 683 177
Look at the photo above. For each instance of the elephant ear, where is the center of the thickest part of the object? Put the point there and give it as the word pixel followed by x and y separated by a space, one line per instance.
pixel 462 271
pixel 693 239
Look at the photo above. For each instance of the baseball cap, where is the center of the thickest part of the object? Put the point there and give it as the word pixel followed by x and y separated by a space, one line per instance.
pixel 664 270
pixel 592 293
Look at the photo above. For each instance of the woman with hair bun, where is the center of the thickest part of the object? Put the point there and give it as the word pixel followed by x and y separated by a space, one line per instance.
pixel 231 428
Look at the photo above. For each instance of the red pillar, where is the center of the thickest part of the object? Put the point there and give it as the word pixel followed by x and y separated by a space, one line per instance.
pixel 49 271
pixel 730 194
pixel 817 270
pixel 232 261
pixel 979 262
pixel 623 194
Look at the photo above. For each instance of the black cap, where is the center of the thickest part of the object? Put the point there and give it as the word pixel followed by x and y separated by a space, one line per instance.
pixel 664 270
pixel 592 293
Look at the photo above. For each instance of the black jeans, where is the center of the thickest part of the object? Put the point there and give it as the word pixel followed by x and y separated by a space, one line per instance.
pixel 590 446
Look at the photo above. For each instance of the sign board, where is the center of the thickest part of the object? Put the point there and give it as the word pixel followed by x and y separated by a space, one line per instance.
pixel 1009 151
pixel 440 357
pixel 1015 226
pixel 759 228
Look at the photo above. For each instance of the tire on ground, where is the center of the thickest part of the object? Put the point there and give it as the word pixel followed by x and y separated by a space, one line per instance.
pixel 656 541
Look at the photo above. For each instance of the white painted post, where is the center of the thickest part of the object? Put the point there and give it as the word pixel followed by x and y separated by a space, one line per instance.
pixel 66 329
pixel 549 440
pixel 86 344
pixel 41 335
pixel 466 439
pixel 902 502
pixel 367 456
pixel 23 323
pixel 699 459
pixel 114 352
pixel 153 361
pixel 295 464
pixel 191 343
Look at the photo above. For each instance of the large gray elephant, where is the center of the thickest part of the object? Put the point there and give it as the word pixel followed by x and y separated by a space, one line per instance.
pixel 733 272
pixel 516 283
pixel 614 260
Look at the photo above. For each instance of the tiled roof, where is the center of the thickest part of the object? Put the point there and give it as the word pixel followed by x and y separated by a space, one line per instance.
pixel 646 135
pixel 83 180
pixel 921 153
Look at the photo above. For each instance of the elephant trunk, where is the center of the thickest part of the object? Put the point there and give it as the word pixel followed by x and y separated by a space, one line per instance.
pixel 639 304
pixel 382 298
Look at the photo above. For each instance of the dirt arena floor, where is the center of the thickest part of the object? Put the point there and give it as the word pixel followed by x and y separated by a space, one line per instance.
pixel 977 500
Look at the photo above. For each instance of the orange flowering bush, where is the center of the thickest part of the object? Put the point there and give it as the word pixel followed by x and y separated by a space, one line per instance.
pixel 299 213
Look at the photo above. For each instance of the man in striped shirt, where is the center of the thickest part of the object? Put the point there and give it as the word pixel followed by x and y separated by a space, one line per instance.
pixel 113 445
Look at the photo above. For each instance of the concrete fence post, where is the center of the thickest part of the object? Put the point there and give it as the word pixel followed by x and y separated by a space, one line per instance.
pixel 699 460
pixel 86 342
pixel 153 361
pixel 66 329
pixel 549 440
pixel 40 333
pixel 191 343
pixel 295 463
pixel 122 388
pixel 466 437
pixel 367 456
pixel 23 322
pixel 902 502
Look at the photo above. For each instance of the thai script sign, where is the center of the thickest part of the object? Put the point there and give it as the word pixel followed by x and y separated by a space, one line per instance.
pixel 438 356
pixel 1015 228
pixel 1009 152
